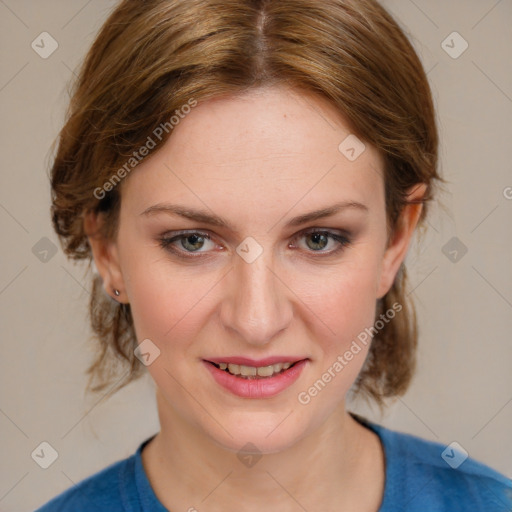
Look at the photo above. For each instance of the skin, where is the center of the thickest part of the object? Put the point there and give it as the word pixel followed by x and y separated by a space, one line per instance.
pixel 257 160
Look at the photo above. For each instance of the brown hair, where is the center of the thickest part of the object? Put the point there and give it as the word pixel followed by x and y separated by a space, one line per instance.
pixel 150 58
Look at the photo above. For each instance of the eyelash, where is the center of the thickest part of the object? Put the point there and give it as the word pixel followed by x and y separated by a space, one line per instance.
pixel 167 241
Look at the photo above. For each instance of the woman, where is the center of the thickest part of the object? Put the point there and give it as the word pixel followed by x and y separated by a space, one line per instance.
pixel 247 176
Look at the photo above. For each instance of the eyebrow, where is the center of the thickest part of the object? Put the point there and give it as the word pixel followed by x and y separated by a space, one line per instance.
pixel 203 216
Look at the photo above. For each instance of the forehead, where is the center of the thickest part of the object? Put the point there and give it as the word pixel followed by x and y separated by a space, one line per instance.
pixel 267 145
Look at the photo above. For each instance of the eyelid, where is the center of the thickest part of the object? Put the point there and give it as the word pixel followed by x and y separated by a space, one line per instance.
pixel 342 237
pixel 167 240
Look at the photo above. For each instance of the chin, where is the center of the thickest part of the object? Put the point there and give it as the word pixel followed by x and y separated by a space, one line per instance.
pixel 268 433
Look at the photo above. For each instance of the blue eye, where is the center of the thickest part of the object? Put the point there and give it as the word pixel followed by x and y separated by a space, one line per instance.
pixel 185 244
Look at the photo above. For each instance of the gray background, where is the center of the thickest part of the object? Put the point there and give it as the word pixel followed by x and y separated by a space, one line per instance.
pixel 463 388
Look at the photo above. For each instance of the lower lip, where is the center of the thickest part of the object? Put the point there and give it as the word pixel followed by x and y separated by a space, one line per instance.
pixel 262 387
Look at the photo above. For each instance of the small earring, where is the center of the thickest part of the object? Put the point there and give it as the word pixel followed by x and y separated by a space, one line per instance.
pixel 117 292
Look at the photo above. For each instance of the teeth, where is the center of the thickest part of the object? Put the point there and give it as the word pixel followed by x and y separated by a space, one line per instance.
pixel 266 371
pixel 234 369
pixel 252 371
pixel 248 371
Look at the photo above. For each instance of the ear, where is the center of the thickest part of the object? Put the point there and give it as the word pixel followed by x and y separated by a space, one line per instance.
pixel 105 256
pixel 398 244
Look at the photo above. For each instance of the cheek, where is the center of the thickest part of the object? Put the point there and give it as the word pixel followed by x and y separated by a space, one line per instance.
pixel 164 302
pixel 342 312
pixel 161 305
pixel 170 304
pixel 344 302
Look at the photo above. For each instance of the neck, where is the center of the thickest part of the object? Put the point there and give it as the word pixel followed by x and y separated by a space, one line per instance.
pixel 325 469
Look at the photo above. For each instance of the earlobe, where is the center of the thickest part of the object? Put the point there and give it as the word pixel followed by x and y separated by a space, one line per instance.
pixel 105 254
pixel 396 250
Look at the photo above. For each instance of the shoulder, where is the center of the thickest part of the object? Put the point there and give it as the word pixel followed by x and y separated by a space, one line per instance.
pixel 106 490
pixel 428 476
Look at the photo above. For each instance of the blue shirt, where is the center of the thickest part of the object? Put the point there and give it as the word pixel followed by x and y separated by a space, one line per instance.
pixel 421 476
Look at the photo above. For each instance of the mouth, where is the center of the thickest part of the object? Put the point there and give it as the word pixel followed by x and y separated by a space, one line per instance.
pixel 255 372
pixel 248 378
pixel 251 378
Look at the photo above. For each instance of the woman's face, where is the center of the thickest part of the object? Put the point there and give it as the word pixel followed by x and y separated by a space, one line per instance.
pixel 260 285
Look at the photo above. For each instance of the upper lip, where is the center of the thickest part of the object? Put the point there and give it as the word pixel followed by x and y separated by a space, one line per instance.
pixel 267 361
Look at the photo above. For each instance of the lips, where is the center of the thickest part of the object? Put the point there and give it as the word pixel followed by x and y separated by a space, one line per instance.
pixel 250 385
pixel 267 361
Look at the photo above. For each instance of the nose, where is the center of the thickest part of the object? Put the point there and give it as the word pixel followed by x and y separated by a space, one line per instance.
pixel 257 307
